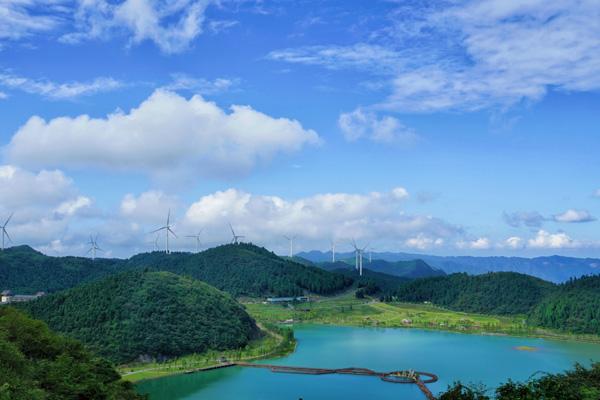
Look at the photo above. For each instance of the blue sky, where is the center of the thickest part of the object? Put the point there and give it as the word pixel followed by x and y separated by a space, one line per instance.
pixel 459 127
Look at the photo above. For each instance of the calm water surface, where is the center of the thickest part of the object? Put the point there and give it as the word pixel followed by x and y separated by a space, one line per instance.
pixel 452 356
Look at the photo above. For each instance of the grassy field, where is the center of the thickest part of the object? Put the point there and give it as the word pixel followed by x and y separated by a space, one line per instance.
pixel 347 310
pixel 276 342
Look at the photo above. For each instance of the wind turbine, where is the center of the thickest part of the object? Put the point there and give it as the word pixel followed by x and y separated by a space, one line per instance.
pixel 197 237
pixel 333 251
pixel 291 239
pixel 4 231
pixel 235 239
pixel 93 246
pixel 359 257
pixel 167 229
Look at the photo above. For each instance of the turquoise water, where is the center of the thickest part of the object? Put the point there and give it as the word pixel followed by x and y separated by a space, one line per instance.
pixel 452 356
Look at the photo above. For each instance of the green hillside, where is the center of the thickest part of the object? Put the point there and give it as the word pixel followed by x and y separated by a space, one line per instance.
pixel 36 364
pixel 242 270
pixel 574 307
pixel 245 270
pixel 24 270
pixel 140 315
pixel 371 282
pixel 502 293
pixel 412 269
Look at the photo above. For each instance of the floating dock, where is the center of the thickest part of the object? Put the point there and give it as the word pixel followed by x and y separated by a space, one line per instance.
pixel 403 377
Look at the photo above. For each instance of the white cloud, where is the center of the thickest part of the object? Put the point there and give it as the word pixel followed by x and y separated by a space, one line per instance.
pixel 171 25
pixel 148 207
pixel 514 242
pixel 473 54
pixel 23 18
pixel 55 90
pixel 201 85
pixel 167 133
pixel 366 124
pixel 43 203
pixel 482 243
pixel 361 56
pixel 3 96
pixel 573 216
pixel 316 219
pixel 422 242
pixel 546 240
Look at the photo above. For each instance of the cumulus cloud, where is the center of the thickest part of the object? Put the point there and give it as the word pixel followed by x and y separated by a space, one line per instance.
pixel 482 243
pixel 43 203
pixel 524 218
pixel 54 90
pixel 423 242
pixel 574 216
pixel 546 240
pixel 165 134
pixel 148 207
pixel 172 26
pixel 317 219
pixel 513 242
pixel 360 124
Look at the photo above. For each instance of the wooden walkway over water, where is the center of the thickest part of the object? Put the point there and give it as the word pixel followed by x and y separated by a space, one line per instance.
pixel 404 377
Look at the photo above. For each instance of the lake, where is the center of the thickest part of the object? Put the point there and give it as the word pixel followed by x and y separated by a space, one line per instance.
pixel 452 356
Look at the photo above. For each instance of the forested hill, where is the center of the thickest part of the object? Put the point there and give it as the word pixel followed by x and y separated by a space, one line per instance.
pixel 574 307
pixel 146 314
pixel 35 363
pixel 25 270
pixel 242 269
pixel 492 293
pixel 405 269
pixel 245 270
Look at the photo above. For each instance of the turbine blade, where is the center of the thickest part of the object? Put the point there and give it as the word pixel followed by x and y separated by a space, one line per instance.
pixel 99 249
pixel 169 230
pixel 9 218
pixel 7 235
pixel 159 229
pixel 168 217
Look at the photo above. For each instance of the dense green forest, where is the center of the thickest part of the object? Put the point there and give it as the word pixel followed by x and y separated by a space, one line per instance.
pixel 147 315
pixel 411 269
pixel 245 270
pixel 36 364
pixel 25 271
pixel 574 307
pixel 578 384
pixel 242 270
pixel 492 293
pixel 371 283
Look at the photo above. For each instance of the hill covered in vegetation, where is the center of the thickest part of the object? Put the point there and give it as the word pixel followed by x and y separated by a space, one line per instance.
pixel 574 307
pixel 411 269
pixel 492 293
pixel 140 315
pixel 242 270
pixel 37 364
pixel 245 270
pixel 25 270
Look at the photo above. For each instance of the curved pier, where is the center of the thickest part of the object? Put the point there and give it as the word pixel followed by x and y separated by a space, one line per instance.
pixel 404 377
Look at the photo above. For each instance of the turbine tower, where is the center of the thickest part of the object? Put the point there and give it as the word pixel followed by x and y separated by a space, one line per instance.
pixel 291 240
pixel 235 239
pixel 197 237
pixel 93 247
pixel 168 230
pixel 333 251
pixel 359 257
pixel 4 231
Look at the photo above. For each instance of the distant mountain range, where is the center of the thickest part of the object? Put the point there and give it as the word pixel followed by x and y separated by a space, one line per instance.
pixel 412 269
pixel 553 268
